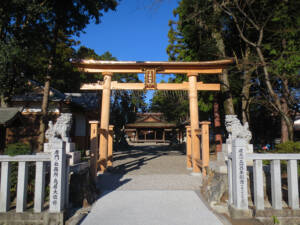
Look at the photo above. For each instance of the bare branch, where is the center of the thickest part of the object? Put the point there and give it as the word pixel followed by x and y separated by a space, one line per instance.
pixel 227 11
pixel 245 15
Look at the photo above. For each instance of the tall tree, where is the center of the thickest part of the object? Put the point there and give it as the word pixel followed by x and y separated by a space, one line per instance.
pixel 42 26
pixel 197 35
pixel 271 28
pixel 68 17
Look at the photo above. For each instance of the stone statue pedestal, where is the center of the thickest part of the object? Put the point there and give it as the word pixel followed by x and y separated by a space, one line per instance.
pixel 60 132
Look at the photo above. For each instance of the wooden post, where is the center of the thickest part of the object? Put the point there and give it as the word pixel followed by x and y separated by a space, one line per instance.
pixel 193 100
pixel 94 148
pixel 154 134
pixel 104 121
pixel 217 127
pixel 110 146
pixel 205 146
pixel 188 148
pixel 164 135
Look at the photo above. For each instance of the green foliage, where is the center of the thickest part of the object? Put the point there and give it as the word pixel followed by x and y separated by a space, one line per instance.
pixel 202 29
pixel 275 220
pixel 35 40
pixel 14 150
pixel 17 149
pixel 288 147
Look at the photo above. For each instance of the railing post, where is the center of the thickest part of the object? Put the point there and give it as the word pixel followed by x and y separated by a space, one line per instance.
pixel 239 176
pixel 258 184
pixel 229 174
pixel 58 179
pixel 67 182
pixel 22 186
pixel 293 191
pixel 5 187
pixel 276 184
pixel 39 189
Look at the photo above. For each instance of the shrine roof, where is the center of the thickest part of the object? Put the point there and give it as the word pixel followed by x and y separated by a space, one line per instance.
pixel 94 66
pixel 7 115
pixel 150 125
pixel 150 120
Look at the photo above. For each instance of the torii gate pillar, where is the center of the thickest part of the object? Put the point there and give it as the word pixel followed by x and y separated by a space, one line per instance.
pixel 194 117
pixel 103 146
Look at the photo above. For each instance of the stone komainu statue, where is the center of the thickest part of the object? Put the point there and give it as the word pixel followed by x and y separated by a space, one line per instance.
pixel 60 131
pixel 236 130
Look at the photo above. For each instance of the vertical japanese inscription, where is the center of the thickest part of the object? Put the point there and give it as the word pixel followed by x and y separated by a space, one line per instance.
pixel 239 174
pixel 242 173
pixel 55 175
pixel 150 79
pixel 58 177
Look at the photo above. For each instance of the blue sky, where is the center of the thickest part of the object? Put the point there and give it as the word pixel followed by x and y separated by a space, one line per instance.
pixel 136 31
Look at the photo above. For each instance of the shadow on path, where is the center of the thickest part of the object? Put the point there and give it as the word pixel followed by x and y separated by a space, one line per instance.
pixel 129 160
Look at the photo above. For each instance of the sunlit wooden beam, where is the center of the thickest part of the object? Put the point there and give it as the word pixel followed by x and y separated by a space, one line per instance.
pixel 166 71
pixel 160 86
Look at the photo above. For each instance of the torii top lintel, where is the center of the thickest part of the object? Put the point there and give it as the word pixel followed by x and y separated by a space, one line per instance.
pixel 203 67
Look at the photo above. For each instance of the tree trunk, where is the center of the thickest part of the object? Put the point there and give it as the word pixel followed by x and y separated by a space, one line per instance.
pixel 246 86
pixel 245 97
pixel 287 125
pixel 282 108
pixel 225 86
pixel 284 131
pixel 217 126
pixel 44 116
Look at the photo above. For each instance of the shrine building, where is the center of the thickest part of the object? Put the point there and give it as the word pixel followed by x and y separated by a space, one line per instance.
pixel 150 128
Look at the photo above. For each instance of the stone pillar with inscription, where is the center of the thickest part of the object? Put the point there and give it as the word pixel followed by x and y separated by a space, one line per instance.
pixel 58 176
pixel 239 174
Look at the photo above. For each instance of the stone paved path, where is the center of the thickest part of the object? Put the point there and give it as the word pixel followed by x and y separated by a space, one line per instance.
pixel 150 186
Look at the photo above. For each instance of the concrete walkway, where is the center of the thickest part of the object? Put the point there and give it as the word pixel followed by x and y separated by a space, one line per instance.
pixel 150 186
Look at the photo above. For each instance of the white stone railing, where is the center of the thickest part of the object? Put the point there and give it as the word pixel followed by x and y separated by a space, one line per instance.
pixel 58 180
pixel 237 178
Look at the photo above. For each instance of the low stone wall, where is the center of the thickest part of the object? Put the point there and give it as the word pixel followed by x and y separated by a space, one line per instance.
pixel 28 218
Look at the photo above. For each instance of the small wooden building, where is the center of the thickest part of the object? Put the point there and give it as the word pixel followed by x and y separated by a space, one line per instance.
pixel 26 130
pixel 151 127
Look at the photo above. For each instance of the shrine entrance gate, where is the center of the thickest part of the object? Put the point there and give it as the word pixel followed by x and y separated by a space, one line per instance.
pixel 197 158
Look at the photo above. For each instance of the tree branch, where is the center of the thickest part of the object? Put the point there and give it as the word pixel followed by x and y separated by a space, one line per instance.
pixel 245 15
pixel 228 12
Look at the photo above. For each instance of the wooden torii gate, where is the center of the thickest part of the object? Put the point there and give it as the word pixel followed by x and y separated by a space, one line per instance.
pixel 150 69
